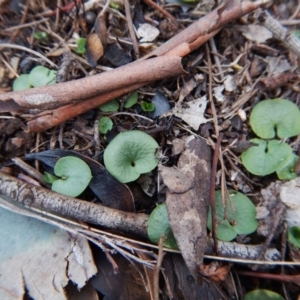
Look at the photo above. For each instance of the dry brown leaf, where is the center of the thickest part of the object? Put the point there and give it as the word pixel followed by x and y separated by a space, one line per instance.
pixel 94 49
pixel 187 200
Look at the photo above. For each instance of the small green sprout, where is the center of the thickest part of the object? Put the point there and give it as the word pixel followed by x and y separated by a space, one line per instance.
pixel 130 154
pixel 41 35
pixel 80 49
pixel 147 106
pixel 131 100
pixel 105 125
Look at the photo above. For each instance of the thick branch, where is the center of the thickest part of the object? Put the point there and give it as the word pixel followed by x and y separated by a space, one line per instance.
pixel 53 96
pixel 38 197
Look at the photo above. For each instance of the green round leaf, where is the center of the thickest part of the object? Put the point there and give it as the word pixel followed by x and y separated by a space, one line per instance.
pixel 21 83
pixel 278 116
pixel 263 295
pixel 146 106
pixel 267 157
pixel 75 176
pixel 105 124
pixel 130 154
pixel 131 100
pixel 158 225
pixel 110 106
pixel 294 236
pixel 80 49
pixel 286 171
pixel 241 214
pixel 41 76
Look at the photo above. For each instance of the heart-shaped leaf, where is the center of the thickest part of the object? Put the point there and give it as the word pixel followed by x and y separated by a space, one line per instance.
pixel 240 212
pixel 21 83
pixel 41 76
pixel 266 157
pixel 75 176
pixel 158 225
pixel 275 117
pixel 130 154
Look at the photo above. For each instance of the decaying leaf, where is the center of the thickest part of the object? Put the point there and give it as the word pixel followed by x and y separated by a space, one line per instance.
pixel 191 112
pixel 94 49
pixel 290 196
pixel 39 258
pixel 147 33
pixel 187 200
pixel 256 33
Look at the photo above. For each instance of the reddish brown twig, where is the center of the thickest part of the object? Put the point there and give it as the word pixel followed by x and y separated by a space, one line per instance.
pixel 272 83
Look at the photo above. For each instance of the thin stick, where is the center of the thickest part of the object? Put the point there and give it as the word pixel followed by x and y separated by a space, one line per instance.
pixel 18 47
pixel 158 267
pixel 212 192
pixel 131 29
pixel 210 96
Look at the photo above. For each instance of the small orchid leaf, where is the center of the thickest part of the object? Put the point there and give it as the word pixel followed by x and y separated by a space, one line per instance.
pixel 75 175
pixel 110 106
pixel 294 236
pixel 286 171
pixel 130 154
pixel 262 294
pixel 80 49
pixel 131 100
pixel 267 157
pixel 158 225
pixel 49 178
pixel 146 106
pixel 275 117
pixel 241 214
pixel 105 124
pixel 41 76
pixel 40 35
pixel 21 83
